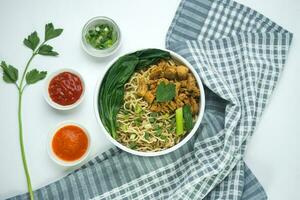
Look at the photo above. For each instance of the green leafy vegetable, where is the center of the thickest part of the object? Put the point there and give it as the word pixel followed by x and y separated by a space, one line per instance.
pixel 32 41
pixel 47 50
pixel 51 32
pixel 10 75
pixel 110 97
pixel 188 118
pixel 165 92
pixel 34 76
pixel 179 122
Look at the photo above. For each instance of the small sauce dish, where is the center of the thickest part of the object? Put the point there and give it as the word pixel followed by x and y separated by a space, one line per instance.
pixel 69 144
pixel 64 89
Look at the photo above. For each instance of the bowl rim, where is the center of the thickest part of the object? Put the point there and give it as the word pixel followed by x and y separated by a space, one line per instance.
pixel 100 53
pixel 50 150
pixel 56 105
pixel 173 148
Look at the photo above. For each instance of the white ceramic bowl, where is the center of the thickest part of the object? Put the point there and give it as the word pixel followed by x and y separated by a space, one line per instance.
pixel 56 105
pixel 57 159
pixel 100 52
pixel 183 141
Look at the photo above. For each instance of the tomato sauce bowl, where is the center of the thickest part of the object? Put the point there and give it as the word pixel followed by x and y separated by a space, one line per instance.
pixel 64 89
pixel 69 144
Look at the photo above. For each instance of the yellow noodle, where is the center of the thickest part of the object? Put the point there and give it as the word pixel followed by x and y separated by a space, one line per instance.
pixel 131 132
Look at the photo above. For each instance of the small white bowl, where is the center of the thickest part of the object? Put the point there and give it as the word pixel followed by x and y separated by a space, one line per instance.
pixel 175 56
pixel 56 105
pixel 57 159
pixel 100 53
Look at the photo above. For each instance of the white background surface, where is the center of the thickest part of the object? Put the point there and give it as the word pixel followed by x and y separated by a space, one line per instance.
pixel 273 153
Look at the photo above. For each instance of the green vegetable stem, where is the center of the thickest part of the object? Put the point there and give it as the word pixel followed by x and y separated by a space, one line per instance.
pixel 179 122
pixel 11 75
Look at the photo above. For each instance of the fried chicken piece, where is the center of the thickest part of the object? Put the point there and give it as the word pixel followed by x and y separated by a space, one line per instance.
pixel 162 63
pixel 149 97
pixel 191 82
pixel 194 106
pixel 170 73
pixel 156 72
pixel 155 107
pixel 142 87
pixel 166 81
pixel 196 92
pixel 172 105
pixel 177 88
pixel 182 72
pixel 183 83
pixel 179 103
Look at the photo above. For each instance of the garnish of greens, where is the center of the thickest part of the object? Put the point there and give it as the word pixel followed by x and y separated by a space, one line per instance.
pixel 165 92
pixel 179 122
pixel 101 36
pixel 188 118
pixel 11 75
pixel 111 94
pixel 184 120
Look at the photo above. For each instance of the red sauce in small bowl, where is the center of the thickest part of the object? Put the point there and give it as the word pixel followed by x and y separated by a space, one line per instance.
pixel 70 143
pixel 65 88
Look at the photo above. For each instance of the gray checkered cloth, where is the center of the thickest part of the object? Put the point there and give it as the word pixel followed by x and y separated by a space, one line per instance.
pixel 239 55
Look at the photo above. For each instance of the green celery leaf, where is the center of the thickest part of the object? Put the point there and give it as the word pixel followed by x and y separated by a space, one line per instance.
pixel 165 92
pixel 34 76
pixel 10 73
pixel 32 41
pixel 51 32
pixel 47 50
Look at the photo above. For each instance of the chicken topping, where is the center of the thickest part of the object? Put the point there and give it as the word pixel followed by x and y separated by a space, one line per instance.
pixel 187 91
pixel 142 88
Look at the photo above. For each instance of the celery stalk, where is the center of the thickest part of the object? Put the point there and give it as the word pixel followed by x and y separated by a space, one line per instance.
pixel 179 122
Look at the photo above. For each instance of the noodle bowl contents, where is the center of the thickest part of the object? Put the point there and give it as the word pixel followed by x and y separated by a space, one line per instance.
pixel 161 103
pixel 149 101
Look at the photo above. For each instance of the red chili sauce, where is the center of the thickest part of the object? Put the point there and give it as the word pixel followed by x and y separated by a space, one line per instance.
pixel 70 143
pixel 65 88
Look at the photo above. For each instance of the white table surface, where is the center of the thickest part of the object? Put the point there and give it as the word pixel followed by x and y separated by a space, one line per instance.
pixel 273 153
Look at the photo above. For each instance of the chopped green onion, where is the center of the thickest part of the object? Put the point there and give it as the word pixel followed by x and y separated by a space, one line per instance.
pixel 132 145
pixel 163 137
pixel 158 131
pixel 138 109
pixel 138 121
pixel 151 120
pixel 153 114
pixel 132 136
pixel 101 36
pixel 146 135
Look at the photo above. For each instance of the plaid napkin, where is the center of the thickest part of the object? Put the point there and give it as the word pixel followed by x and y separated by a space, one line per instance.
pixel 239 54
